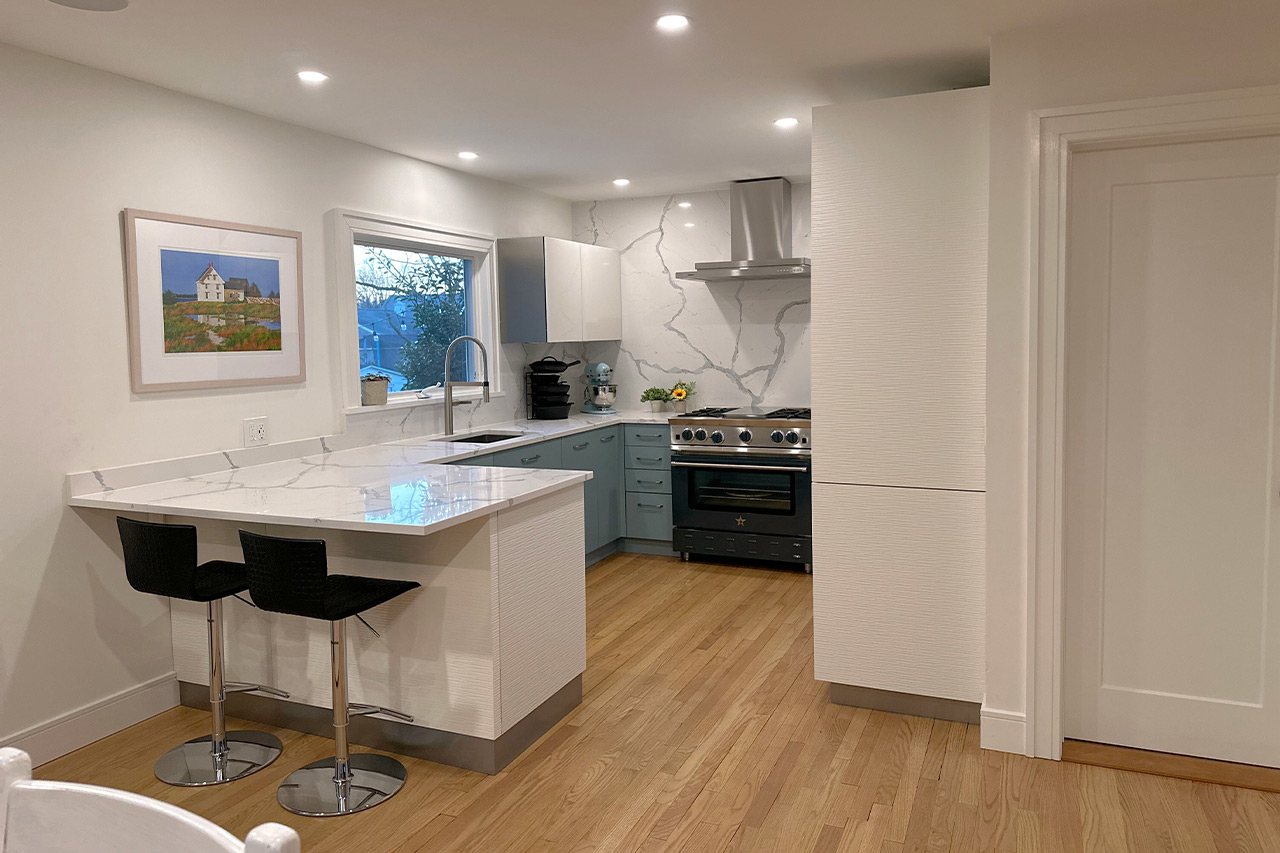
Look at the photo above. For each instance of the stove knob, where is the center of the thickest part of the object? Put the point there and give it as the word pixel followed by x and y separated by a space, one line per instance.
pixel 745 435
pixel 701 435
pixel 717 436
pixel 776 435
pixel 687 434
pixel 793 437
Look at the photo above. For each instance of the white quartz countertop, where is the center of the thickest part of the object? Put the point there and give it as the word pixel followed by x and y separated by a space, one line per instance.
pixel 400 487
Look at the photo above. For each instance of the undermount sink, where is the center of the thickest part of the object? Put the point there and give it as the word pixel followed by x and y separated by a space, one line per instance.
pixel 482 437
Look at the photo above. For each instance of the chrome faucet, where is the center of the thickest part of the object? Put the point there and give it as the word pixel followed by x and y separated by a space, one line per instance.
pixel 449 384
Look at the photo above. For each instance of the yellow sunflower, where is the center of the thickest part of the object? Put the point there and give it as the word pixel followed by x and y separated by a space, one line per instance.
pixel 679 394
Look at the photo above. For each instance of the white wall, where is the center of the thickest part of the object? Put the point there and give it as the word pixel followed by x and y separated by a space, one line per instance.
pixel 77 146
pixel 744 344
pixel 1181 49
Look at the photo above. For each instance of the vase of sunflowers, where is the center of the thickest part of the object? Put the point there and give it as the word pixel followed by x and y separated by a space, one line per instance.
pixel 680 394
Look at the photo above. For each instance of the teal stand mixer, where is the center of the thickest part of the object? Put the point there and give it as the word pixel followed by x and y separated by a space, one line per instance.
pixel 600 392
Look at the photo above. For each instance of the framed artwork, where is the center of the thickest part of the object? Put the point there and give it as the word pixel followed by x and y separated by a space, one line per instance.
pixel 212 304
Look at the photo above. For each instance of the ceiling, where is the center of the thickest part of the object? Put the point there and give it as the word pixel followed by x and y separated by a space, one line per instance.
pixel 559 95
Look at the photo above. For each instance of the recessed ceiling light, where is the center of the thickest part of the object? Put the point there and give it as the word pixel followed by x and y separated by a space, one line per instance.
pixel 686 204
pixel 468 155
pixel 672 23
pixel 312 76
pixel 688 225
pixel 94 5
pixel 786 123
pixel 621 182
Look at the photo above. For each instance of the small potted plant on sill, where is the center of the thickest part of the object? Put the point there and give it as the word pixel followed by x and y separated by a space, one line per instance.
pixel 373 389
pixel 656 398
pixel 680 394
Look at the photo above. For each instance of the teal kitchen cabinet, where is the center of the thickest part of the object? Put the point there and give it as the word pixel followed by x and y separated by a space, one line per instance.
pixel 647 484
pixel 544 454
pixel 600 452
pixel 486 459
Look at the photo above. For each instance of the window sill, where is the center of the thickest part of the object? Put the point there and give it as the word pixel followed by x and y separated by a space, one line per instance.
pixel 412 401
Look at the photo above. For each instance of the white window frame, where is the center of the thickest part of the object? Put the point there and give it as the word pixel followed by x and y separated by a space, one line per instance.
pixel 349 227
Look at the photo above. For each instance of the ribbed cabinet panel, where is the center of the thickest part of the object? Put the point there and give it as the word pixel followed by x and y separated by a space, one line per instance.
pixel 898 589
pixel 899 291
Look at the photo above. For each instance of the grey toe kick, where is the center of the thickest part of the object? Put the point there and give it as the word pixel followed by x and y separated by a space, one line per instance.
pixel 911 704
pixel 415 741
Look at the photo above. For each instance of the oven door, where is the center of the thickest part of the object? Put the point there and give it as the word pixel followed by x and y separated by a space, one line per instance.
pixel 746 494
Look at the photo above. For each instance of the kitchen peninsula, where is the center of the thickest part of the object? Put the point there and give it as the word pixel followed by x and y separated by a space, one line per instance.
pixel 487 656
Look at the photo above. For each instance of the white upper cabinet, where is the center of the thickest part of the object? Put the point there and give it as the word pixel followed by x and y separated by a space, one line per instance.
pixel 899 291
pixel 557 290
pixel 601 293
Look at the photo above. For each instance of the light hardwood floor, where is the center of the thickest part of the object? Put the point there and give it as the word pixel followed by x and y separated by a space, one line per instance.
pixel 702 729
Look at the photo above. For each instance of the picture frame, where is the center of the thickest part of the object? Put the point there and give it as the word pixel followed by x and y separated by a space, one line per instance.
pixel 212 304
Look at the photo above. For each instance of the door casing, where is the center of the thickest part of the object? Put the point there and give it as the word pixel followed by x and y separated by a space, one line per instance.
pixel 1056 136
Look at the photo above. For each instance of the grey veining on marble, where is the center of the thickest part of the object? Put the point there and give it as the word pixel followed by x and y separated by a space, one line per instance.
pixel 396 487
pixel 743 343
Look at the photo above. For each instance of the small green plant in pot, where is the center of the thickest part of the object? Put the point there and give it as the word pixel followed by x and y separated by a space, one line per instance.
pixel 656 398
pixel 373 389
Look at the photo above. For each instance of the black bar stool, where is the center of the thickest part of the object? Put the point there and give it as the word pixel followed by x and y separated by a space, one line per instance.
pixel 292 576
pixel 161 559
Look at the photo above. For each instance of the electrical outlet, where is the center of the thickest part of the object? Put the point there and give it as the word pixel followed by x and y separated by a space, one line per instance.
pixel 255 431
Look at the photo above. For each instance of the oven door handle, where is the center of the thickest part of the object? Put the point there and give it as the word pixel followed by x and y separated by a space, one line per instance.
pixel 726 467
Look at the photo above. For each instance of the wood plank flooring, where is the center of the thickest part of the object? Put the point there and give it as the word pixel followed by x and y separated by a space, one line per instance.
pixel 702 729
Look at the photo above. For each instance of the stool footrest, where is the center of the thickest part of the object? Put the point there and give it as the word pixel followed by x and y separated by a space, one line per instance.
pixel 245 687
pixel 360 709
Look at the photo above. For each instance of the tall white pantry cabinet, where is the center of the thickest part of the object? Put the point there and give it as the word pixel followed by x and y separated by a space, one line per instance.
pixel 899 351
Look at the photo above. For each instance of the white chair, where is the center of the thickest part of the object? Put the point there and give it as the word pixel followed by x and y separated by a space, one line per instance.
pixel 64 817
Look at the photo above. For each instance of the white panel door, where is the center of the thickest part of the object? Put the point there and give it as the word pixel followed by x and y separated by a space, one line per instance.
pixel 898 589
pixel 1171 477
pixel 563 260
pixel 601 293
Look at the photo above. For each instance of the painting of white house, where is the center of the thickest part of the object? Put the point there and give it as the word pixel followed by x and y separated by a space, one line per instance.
pixel 219 302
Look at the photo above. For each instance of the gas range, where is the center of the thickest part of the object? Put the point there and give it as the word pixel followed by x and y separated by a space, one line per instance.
pixel 744 430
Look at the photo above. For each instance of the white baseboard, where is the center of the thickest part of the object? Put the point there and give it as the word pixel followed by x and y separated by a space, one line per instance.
pixel 67 732
pixel 1003 731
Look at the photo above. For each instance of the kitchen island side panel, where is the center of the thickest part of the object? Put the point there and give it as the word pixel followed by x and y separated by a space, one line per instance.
pixel 434 660
pixel 542 601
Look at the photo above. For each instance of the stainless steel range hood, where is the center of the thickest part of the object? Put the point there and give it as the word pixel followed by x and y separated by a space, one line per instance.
pixel 760 232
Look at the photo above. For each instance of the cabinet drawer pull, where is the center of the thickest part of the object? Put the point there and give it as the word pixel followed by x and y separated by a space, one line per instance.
pixel 650 482
pixel 654 436
pixel 607 438
pixel 649 506
pixel 649 458
pixel 580 446
pixel 529 459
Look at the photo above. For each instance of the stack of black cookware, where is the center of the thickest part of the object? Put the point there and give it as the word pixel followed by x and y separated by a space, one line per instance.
pixel 547 394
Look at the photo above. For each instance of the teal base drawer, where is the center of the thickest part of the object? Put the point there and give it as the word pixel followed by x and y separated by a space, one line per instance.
pixel 544 454
pixel 486 459
pixel 647 435
pixel 648 516
pixel 658 482
pixel 653 458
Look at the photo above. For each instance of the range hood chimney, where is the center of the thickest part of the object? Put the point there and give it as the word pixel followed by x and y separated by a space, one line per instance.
pixel 760 236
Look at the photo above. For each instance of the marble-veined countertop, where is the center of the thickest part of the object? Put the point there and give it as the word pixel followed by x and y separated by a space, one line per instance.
pixel 401 487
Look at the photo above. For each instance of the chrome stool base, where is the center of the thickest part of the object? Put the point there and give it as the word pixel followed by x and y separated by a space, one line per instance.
pixel 314 790
pixel 193 765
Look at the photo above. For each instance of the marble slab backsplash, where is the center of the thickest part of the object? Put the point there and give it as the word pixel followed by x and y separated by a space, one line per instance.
pixel 743 343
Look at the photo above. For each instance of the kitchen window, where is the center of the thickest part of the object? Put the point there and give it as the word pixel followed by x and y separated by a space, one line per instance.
pixel 412 290
pixel 409 306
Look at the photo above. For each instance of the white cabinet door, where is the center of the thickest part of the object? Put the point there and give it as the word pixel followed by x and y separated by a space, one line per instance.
pixel 563 259
pixel 601 293
pixel 1171 471
pixel 898 589
pixel 899 291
